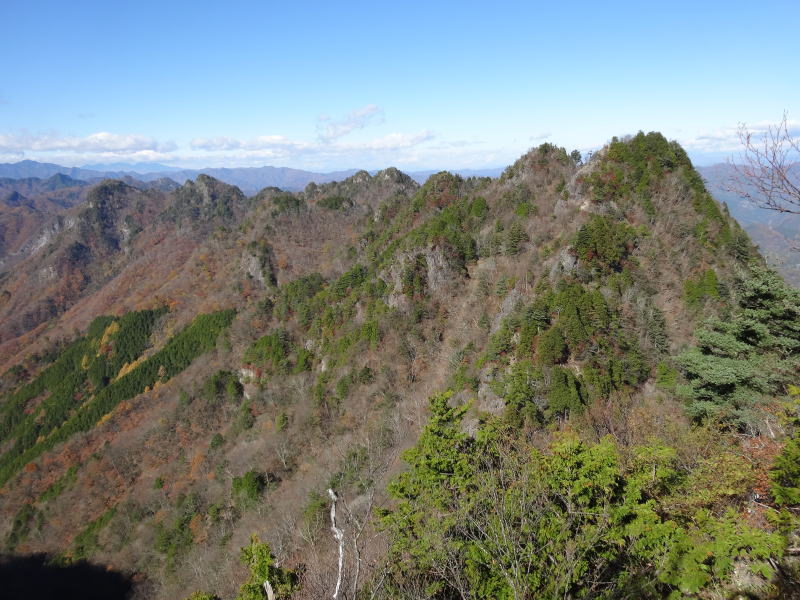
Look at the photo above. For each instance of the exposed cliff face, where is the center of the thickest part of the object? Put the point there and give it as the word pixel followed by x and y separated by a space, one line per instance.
pixel 205 201
pixel 29 208
pixel 362 191
pixel 72 251
pixel 431 265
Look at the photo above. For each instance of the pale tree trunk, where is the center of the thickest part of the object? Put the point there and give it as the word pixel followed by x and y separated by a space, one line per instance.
pixel 268 590
pixel 338 534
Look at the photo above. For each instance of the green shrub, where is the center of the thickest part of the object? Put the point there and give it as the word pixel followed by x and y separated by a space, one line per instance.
pixel 666 376
pixel 27 517
pixel 552 348
pixel 515 236
pixel 335 203
pixel 705 286
pixel 565 394
pixel 222 385
pixel 478 208
pixel 605 244
pixel 303 362
pixel 414 278
pixel 86 542
pixel 258 558
pixel 66 481
pixel 785 475
pixel 366 376
pixel 271 350
pixel 746 358
pixel 350 473
pixel 248 488
pixel 173 539
pixel 521 389
pixel 287 203
pixel 343 386
pixel 281 421
pixel 314 511
pixel 244 418
pixel 202 596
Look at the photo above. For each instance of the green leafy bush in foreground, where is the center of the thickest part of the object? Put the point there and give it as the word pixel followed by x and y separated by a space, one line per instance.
pixel 574 521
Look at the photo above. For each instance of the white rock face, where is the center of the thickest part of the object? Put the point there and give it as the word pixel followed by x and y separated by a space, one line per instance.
pixel 361 177
pixel 252 266
pixel 47 235
pixel 488 401
pixel 246 377
pixel 563 262
pixel 439 274
pixel 509 302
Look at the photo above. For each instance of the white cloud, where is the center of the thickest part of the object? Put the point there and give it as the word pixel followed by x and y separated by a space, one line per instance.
pixel 719 140
pixel 327 148
pixel 393 141
pixel 217 143
pixel 726 139
pixel 358 119
pixel 99 143
pixel 462 143
pixel 275 146
pixel 264 142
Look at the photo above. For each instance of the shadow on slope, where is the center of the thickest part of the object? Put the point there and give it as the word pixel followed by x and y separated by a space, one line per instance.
pixel 34 578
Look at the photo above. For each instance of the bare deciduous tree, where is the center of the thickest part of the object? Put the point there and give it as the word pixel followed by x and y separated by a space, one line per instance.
pixel 768 174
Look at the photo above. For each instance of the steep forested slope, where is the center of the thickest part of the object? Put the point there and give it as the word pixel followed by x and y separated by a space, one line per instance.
pixel 572 381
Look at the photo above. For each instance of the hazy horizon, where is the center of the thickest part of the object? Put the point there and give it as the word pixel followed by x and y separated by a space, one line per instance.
pixel 699 159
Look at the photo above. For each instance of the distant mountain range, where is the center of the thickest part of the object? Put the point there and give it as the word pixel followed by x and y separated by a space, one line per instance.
pixel 249 179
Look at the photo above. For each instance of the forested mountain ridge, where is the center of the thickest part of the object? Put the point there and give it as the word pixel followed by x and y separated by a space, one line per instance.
pixel 571 381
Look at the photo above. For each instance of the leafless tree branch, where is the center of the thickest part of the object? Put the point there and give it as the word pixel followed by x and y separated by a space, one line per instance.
pixel 768 174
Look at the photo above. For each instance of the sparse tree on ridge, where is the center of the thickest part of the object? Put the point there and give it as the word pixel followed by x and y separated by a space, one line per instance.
pixel 769 172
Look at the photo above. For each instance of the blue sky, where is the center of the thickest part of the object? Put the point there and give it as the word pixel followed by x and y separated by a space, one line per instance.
pixel 333 85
